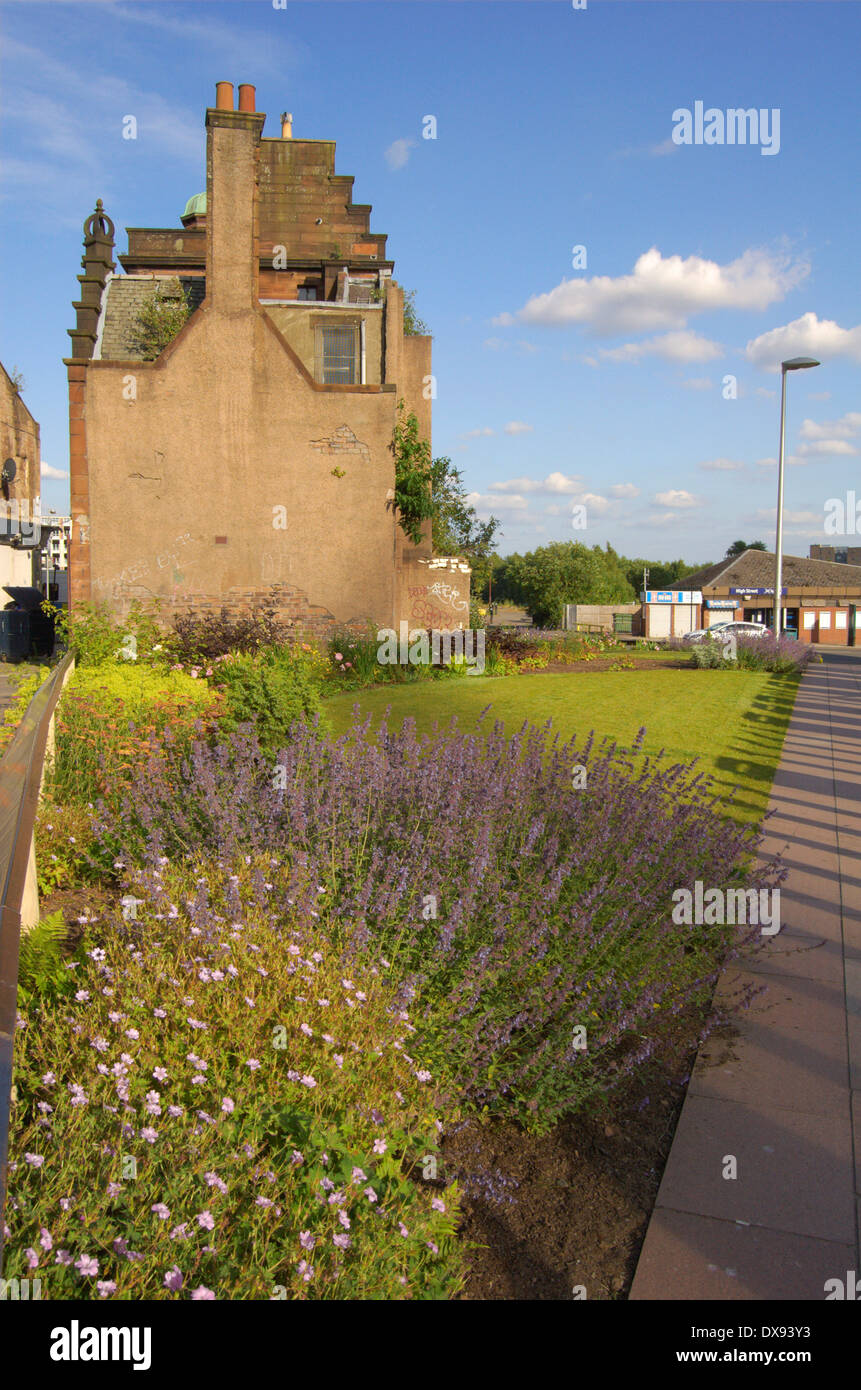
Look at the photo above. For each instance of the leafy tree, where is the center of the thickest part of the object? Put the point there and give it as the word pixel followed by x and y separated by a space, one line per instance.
pixel 413 473
pixel 412 323
pixel 739 547
pixel 160 318
pixel 457 529
pixel 666 574
pixel 565 572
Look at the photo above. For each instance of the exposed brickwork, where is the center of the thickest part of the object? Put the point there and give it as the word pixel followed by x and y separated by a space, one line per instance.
pixel 343 441
pixel 291 605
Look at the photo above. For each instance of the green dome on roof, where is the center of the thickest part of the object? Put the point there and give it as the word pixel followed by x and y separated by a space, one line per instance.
pixel 196 206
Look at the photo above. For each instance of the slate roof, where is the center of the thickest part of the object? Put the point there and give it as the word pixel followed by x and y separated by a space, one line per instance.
pixel 126 295
pixel 754 569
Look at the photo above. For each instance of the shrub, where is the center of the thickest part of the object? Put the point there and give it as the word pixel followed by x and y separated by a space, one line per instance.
pixel 783 655
pixel 269 689
pixel 272 1124
pixel 26 685
pixel 97 637
pixel 107 716
pixel 514 907
pixel 203 637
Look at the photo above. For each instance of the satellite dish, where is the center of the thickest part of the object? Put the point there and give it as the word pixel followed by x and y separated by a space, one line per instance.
pixel 10 468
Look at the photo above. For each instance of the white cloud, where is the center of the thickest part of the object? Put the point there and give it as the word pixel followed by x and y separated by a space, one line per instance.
pixel 676 497
pixel 625 490
pixel 553 483
pixel 791 460
pixel 845 428
pixel 832 437
pixel 828 447
pixel 721 465
pixel 398 153
pixel 518 427
pixel 496 504
pixel 48 472
pixel 807 336
pixel 594 500
pixel 476 434
pixel 683 346
pixel 662 293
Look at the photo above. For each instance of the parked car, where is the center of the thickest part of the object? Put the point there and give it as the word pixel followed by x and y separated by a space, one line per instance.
pixel 699 634
pixel 723 630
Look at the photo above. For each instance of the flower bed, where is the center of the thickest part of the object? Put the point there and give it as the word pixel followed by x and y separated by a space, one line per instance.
pixel 218 1111
pixel 518 905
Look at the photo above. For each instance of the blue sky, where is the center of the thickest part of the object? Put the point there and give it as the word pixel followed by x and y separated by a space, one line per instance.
pixel 600 386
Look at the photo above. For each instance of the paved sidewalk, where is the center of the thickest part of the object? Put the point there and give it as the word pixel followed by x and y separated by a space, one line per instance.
pixel 783 1096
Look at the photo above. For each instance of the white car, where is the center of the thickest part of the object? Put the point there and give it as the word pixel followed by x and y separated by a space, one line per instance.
pixel 724 630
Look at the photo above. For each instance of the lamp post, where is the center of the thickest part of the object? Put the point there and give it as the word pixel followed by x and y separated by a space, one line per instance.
pixel 794 364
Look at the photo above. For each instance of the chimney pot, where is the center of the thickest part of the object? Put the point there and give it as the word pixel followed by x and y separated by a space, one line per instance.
pixel 286 125
pixel 246 97
pixel 224 96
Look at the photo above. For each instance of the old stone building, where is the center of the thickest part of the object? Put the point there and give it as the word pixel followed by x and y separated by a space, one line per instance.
pixel 20 482
pixel 253 455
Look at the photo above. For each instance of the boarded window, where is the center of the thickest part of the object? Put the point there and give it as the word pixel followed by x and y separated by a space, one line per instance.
pixel 336 355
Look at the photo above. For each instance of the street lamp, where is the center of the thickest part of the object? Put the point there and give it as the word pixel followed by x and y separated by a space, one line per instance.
pixel 794 364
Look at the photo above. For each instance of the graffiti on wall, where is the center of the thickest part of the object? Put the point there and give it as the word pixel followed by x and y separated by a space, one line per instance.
pixel 437 605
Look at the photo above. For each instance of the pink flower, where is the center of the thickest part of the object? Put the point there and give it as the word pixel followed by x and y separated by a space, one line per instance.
pixel 106 1286
pixel 227 1105
pixel 161 1211
pixel 339 656
pixel 87 1266
pixel 380 1146
pixel 149 1134
pixel 173 1279
pixel 206 1220
pixel 306 1240
pixel 202 1294
pixel 438 1204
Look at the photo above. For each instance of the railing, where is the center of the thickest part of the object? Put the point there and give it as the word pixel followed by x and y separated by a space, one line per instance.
pixel 21 775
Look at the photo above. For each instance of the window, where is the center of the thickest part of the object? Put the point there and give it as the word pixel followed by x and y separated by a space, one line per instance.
pixel 840 557
pixel 336 354
pixel 307 292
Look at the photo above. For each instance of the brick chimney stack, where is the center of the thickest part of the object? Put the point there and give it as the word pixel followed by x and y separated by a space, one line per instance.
pixel 232 148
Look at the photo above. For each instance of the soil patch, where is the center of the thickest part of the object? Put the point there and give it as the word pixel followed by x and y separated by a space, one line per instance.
pixel 571 1207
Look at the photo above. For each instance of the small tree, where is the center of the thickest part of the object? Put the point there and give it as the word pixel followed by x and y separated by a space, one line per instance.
pixel 412 323
pixel 457 529
pixel 739 547
pixel 413 473
pixel 160 319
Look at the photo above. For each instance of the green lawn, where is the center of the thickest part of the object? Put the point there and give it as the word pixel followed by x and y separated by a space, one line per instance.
pixel 732 721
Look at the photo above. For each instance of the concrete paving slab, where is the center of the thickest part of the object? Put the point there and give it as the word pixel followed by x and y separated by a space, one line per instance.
pixel 795 1171
pixel 701 1258
pixel 799 1068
